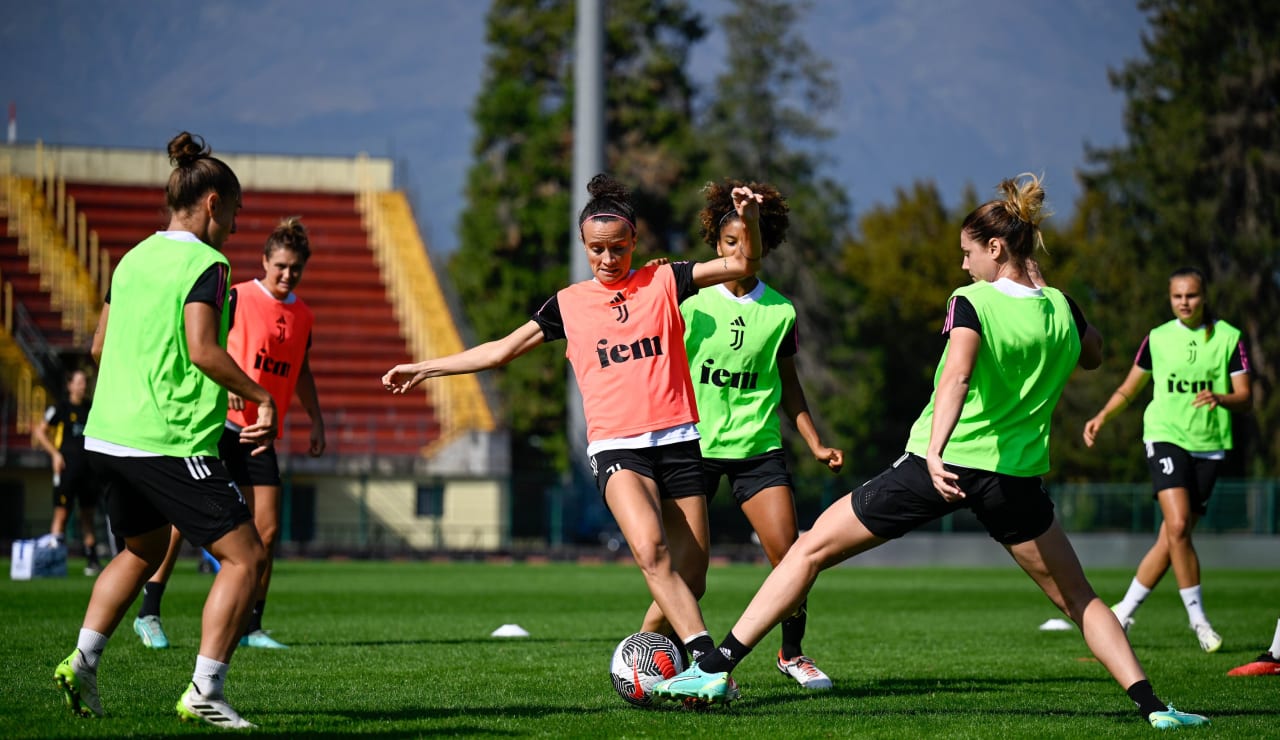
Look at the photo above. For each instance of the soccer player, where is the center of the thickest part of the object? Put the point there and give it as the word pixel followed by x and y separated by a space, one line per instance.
pixel 624 337
pixel 741 340
pixel 1267 664
pixel 72 481
pixel 1201 375
pixel 982 442
pixel 270 338
pixel 152 436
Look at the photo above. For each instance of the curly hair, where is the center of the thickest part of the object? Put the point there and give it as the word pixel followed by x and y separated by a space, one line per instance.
pixel 719 210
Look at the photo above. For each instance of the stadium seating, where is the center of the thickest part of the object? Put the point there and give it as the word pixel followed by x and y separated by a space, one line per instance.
pixel 357 337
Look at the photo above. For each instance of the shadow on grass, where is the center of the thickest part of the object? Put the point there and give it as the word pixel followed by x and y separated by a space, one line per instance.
pixel 487 641
pixel 890 687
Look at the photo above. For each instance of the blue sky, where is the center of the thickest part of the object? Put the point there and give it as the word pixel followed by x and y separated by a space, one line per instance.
pixel 953 91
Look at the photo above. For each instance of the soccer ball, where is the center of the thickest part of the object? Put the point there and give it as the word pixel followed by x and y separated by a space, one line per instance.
pixel 640 661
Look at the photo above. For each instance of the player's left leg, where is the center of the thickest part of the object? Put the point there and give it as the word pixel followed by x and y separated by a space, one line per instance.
pixel 1052 563
pixel 265 502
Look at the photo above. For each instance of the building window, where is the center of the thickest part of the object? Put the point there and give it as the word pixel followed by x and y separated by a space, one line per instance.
pixel 430 500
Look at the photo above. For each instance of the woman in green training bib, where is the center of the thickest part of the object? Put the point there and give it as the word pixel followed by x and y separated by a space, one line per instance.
pixel 1201 375
pixel 741 341
pixel 982 442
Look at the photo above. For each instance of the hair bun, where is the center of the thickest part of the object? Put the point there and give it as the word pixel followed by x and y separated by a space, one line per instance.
pixel 604 187
pixel 1024 198
pixel 187 148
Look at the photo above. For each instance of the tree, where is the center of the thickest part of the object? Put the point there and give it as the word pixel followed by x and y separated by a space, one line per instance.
pixel 1197 182
pixel 514 231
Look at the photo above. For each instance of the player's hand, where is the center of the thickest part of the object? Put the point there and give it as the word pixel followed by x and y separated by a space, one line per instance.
pixel 317 438
pixel 235 402
pixel 658 261
pixel 59 463
pixel 1206 398
pixel 747 203
pixel 833 458
pixel 401 378
pixel 1034 274
pixel 262 432
pixel 1091 428
pixel 944 481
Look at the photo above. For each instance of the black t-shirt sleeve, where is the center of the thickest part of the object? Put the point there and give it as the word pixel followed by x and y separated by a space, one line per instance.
pixel 232 299
pixel 1082 324
pixel 790 343
pixel 1143 359
pixel 1239 362
pixel 961 313
pixel 211 286
pixel 549 319
pixel 684 280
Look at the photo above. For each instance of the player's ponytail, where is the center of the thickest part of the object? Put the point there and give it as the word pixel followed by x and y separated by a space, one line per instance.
pixel 1015 218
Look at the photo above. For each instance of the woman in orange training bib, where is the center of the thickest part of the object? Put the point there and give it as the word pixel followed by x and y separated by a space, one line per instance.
pixel 625 341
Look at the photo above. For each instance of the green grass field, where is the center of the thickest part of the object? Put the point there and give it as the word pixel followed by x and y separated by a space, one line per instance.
pixel 399 649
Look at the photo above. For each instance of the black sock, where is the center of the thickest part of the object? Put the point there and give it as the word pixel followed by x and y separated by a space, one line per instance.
pixel 725 658
pixel 151 595
pixel 680 648
pixel 793 632
pixel 255 617
pixel 1145 697
pixel 700 646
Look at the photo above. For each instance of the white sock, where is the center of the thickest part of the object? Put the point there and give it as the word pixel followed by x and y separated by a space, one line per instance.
pixel 209 677
pixel 1195 605
pixel 1133 599
pixel 1275 642
pixel 90 644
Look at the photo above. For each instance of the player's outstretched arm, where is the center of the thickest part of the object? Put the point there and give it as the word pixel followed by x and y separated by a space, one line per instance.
pixel 745 260
pixel 401 378
pixel 1121 397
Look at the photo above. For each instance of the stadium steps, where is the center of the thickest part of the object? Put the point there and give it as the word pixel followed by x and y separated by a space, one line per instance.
pixel 356 337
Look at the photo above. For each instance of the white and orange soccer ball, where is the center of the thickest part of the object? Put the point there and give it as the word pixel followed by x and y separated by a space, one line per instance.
pixel 640 661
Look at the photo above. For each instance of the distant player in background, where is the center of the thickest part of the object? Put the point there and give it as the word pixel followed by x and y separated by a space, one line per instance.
pixel 270 338
pixel 1267 664
pixel 152 436
pixel 625 343
pixel 72 479
pixel 1201 375
pixel 982 442
pixel 741 340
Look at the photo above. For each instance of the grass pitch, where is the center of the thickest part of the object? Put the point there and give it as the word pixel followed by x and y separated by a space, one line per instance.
pixel 397 649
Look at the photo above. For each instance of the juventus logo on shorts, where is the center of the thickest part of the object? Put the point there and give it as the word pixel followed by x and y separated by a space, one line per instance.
pixel 197 467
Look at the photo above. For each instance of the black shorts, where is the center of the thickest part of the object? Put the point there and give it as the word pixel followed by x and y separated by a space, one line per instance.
pixel 195 494
pixel 747 476
pixel 245 469
pixel 1173 467
pixel 1014 509
pixel 676 468
pixel 76 483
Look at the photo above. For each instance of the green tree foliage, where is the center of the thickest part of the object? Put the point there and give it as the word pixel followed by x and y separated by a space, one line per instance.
pixel 1197 183
pixel 763 122
pixel 515 231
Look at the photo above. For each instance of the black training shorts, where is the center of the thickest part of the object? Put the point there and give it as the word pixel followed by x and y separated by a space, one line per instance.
pixel 195 494
pixel 245 468
pixel 747 476
pixel 1014 509
pixel 1173 467
pixel 676 468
